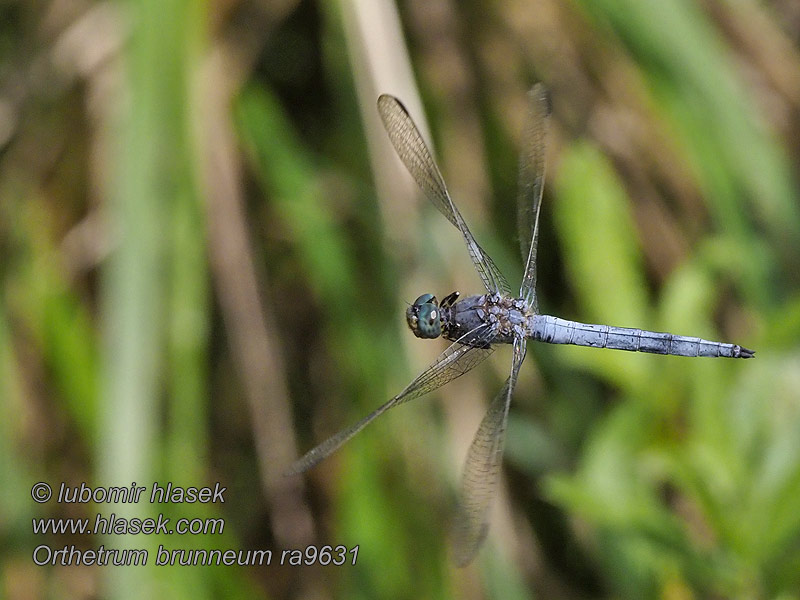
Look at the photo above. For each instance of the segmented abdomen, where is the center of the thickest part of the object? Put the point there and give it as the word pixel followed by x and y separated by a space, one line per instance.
pixel 554 330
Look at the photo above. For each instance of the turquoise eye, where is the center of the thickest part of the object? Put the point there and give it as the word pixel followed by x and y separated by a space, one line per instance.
pixel 425 299
pixel 424 318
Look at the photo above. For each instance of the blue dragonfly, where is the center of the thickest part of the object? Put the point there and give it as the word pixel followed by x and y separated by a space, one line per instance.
pixel 477 323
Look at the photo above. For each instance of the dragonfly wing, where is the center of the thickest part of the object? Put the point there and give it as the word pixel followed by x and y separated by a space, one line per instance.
pixel 417 158
pixel 458 358
pixel 482 469
pixel 531 185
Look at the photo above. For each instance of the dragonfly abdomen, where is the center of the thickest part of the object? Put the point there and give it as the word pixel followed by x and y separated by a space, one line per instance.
pixel 553 330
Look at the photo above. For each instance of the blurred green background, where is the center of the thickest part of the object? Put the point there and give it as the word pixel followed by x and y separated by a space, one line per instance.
pixel 207 246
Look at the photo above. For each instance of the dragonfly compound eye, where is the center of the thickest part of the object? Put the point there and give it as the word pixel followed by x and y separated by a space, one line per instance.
pixel 425 299
pixel 424 318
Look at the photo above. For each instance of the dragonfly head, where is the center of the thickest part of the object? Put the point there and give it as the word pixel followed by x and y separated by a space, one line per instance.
pixel 424 317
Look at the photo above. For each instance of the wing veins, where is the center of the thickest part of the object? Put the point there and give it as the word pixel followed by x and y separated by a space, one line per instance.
pixel 482 468
pixel 531 186
pixel 457 359
pixel 414 153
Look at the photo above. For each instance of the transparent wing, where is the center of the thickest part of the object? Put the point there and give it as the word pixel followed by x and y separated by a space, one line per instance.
pixel 482 469
pixel 531 185
pixel 416 156
pixel 458 358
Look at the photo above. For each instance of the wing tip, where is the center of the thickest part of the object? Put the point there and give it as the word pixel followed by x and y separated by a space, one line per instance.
pixel 295 469
pixel 306 462
pixel 466 542
pixel 386 101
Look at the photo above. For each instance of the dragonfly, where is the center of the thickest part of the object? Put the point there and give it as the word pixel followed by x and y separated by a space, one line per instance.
pixel 478 323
